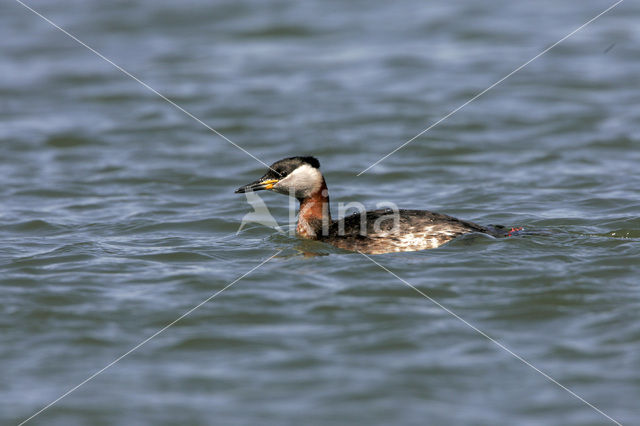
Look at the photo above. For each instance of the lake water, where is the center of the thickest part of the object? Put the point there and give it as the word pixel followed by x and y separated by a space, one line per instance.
pixel 117 213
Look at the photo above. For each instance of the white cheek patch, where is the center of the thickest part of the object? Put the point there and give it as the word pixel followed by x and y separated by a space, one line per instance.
pixel 302 182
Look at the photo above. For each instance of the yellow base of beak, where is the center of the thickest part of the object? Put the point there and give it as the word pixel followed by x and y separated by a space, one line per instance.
pixel 268 184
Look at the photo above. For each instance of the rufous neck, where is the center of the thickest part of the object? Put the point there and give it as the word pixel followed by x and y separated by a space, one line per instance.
pixel 315 216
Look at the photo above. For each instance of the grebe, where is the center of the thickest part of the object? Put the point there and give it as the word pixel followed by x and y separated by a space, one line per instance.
pixel 372 232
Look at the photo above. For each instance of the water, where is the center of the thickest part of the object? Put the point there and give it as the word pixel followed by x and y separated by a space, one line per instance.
pixel 117 213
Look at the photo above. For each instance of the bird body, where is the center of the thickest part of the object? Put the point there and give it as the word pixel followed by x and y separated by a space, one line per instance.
pixel 371 232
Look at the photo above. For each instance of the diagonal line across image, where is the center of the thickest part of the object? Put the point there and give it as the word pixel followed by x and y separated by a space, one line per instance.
pixel 271 257
pixel 491 87
pixel 147 86
pixel 492 340
pixel 145 341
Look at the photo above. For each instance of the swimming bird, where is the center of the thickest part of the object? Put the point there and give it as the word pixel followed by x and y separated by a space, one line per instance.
pixel 371 232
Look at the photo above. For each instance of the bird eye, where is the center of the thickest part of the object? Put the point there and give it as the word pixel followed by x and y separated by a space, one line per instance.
pixel 282 174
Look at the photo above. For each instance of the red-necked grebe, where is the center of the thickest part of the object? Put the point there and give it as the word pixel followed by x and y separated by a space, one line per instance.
pixel 372 232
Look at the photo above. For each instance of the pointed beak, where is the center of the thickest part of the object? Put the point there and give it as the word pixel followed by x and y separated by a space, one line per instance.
pixel 258 185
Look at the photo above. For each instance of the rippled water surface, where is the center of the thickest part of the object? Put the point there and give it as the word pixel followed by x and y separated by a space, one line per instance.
pixel 117 213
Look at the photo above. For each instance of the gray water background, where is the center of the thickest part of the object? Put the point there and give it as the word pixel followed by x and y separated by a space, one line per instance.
pixel 117 212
